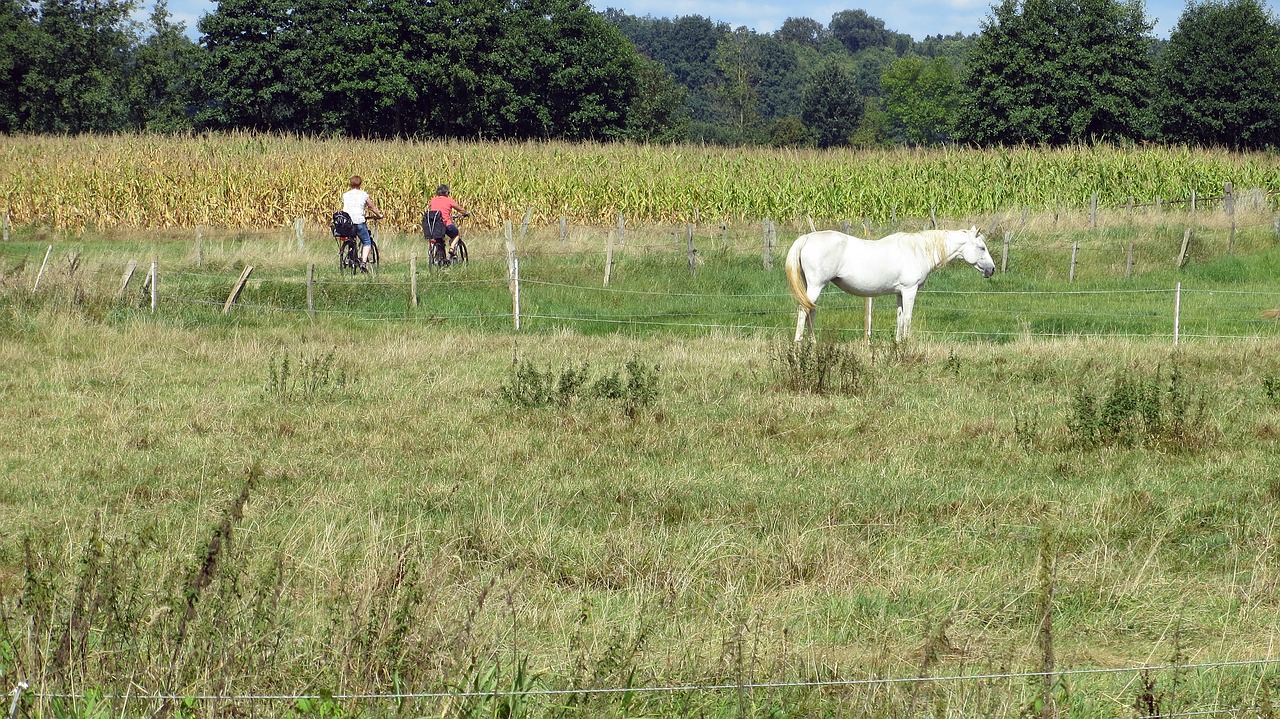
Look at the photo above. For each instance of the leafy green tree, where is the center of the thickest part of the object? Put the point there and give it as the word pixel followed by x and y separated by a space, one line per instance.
pixel 1220 75
pixel 920 98
pixel 1058 71
pixel 873 127
pixel 789 132
pixel 738 62
pixel 658 113
pixel 75 78
pixel 17 31
pixel 164 80
pixel 830 105
pixel 803 31
pixel 859 31
pixel 686 48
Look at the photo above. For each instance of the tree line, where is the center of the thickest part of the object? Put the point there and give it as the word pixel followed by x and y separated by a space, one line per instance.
pixel 1039 72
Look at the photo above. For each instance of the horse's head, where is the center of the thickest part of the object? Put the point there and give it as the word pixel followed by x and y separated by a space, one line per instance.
pixel 974 251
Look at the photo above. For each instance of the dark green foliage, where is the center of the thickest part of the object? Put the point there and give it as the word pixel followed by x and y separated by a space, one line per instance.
pixel 857 30
pixel 920 97
pixel 1271 388
pixel 550 68
pixel 1220 76
pixel 659 112
pixel 789 132
pixel 1057 72
pixel 813 368
pixel 803 31
pixel 70 72
pixel 162 94
pixel 830 105
pixel 1140 411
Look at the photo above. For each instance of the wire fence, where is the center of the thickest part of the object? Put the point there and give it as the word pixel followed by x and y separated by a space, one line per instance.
pixel 669 688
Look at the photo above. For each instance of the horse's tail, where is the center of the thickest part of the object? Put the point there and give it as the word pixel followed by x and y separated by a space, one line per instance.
pixel 795 275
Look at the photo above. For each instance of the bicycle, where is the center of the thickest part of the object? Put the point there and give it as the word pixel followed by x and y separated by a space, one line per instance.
pixel 438 255
pixel 349 245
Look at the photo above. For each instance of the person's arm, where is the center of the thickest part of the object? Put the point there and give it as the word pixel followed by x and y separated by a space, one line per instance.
pixel 460 209
pixel 377 215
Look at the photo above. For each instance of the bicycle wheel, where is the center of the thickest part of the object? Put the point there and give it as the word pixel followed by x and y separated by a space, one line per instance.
pixel 462 253
pixel 435 255
pixel 373 253
pixel 353 257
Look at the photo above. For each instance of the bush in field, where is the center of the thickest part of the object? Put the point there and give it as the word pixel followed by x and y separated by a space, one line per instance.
pixel 635 387
pixel 813 368
pixel 1140 410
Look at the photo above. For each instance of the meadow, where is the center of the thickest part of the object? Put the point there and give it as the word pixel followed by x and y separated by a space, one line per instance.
pixel 639 488
pixel 646 501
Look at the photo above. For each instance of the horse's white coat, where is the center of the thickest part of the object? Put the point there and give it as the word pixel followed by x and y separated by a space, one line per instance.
pixel 897 264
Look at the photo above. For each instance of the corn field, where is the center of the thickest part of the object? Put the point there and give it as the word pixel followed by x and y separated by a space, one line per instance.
pixel 244 180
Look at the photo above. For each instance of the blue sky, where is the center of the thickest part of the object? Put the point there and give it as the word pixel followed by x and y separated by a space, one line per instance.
pixel 916 17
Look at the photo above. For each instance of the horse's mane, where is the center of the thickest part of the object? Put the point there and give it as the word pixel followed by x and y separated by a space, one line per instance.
pixel 929 245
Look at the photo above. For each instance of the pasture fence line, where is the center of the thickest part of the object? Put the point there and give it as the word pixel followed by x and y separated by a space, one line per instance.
pixel 709 687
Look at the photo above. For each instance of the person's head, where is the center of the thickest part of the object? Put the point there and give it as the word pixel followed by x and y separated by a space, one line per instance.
pixel 356 182
pixel 442 191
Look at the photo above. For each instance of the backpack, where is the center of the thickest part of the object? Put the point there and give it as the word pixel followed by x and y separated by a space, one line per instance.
pixel 343 226
pixel 433 225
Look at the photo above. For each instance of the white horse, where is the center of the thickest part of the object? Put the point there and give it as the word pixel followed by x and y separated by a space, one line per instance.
pixel 897 264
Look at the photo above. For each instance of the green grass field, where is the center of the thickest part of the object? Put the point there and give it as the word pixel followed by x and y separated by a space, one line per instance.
pixel 263 503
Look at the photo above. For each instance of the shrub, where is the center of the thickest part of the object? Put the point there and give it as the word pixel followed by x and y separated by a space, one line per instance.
pixel 813 368
pixel 1139 410
pixel 530 386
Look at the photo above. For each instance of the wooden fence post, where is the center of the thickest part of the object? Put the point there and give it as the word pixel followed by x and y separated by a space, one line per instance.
pixel 524 225
pixel 933 217
pixel 846 227
pixel 1193 202
pixel 128 275
pixel 236 288
pixel 311 289
pixel 513 273
pixel 43 265
pixel 812 227
pixel 297 233
pixel 564 229
pixel 1128 210
pixel 4 225
pixel 1128 262
pixel 1186 245
pixel 608 256
pixel 693 255
pixel 413 279
pixel 73 263
pixel 1004 254
pixel 1177 312
pixel 767 254
pixel 1093 212
pixel 199 247
pixel 1075 247
pixel 1229 199
pixel 155 281
pixel 622 237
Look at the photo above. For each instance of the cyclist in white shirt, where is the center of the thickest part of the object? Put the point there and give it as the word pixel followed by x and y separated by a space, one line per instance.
pixel 355 202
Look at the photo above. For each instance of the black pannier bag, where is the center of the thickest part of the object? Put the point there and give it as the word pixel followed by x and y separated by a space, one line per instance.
pixel 433 225
pixel 343 226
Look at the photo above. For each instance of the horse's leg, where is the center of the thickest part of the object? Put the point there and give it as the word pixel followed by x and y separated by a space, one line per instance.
pixel 906 302
pixel 814 291
pixel 801 319
pixel 897 333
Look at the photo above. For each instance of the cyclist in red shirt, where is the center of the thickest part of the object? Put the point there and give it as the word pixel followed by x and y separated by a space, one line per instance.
pixel 445 205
